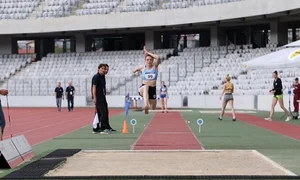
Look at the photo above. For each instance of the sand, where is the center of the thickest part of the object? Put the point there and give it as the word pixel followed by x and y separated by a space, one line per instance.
pixel 107 163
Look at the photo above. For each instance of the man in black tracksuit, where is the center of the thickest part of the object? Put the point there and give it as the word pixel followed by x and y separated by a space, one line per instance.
pixel 106 72
pixel 99 99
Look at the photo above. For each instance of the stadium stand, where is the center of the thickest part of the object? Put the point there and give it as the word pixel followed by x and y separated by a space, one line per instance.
pixel 202 71
pixel 140 5
pixel 211 2
pixel 17 9
pixel 58 8
pixel 98 7
pixel 195 71
pixel 210 78
pixel 41 77
pixel 22 9
pixel 9 64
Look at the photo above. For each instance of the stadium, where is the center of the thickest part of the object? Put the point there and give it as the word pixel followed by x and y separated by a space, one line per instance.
pixel 79 100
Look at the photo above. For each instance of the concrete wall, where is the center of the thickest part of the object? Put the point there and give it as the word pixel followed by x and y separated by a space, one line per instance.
pixel 149 19
pixel 241 102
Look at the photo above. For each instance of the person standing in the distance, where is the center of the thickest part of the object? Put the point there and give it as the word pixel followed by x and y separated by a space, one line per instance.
pixel 3 92
pixel 278 97
pixel 296 92
pixel 163 93
pixel 149 76
pixel 59 94
pixel 70 93
pixel 228 90
pixel 100 100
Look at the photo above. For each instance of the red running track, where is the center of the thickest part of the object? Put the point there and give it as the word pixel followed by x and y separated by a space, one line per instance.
pixel 167 132
pixel 285 129
pixel 42 124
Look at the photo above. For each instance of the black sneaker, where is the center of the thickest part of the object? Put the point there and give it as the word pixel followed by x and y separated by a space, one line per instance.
pixel 113 130
pixel 234 119
pixel 106 131
pixel 95 131
pixel 220 118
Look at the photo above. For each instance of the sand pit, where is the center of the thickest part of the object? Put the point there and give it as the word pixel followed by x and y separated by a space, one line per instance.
pixel 119 163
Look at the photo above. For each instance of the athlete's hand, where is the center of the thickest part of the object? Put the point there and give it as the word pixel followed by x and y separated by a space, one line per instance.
pixel 4 92
pixel 95 101
pixel 220 97
pixel 145 50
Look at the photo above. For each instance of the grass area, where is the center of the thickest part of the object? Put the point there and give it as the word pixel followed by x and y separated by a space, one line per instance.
pixel 227 134
pixel 84 139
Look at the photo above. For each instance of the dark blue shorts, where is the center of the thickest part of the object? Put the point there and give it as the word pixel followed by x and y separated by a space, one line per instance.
pixel 2 118
pixel 163 96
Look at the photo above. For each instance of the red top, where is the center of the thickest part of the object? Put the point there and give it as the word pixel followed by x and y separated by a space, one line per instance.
pixel 296 90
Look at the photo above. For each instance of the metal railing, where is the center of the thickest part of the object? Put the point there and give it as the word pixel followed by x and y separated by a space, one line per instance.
pixel 46 86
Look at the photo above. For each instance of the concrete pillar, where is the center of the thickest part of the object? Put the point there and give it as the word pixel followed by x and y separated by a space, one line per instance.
pixel 157 40
pixel 294 34
pixel 149 39
pixel 5 45
pixel 214 31
pixel 125 43
pixel 279 33
pixel 217 36
pixel 80 43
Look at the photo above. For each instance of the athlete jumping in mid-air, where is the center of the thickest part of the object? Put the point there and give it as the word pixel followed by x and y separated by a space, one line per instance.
pixel 149 76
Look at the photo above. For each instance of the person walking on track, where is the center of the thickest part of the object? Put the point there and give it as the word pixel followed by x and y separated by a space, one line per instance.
pixel 70 93
pixel 59 94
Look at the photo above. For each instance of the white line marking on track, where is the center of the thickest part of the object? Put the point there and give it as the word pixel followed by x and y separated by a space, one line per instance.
pixel 174 110
pixel 274 163
pixel 238 112
pixel 193 133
